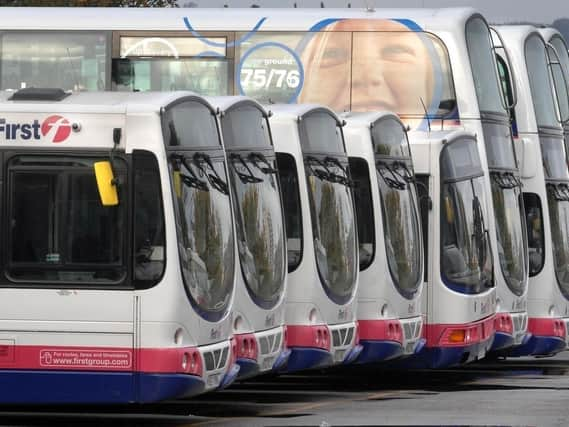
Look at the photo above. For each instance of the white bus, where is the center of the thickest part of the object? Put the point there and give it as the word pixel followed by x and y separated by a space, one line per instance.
pixel 409 61
pixel 389 312
pixel 124 294
pixel 321 236
pixel 455 211
pixel 259 307
pixel 541 108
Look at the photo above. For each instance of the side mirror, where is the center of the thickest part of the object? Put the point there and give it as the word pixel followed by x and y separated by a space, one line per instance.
pixel 106 183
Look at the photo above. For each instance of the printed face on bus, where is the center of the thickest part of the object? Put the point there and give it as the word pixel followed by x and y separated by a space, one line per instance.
pixel 368 65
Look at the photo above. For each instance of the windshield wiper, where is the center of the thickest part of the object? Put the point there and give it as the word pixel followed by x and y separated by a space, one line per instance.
pixel 505 180
pixel 191 180
pixel 255 158
pixel 407 176
pixel 324 175
pixel 214 179
pixel 340 179
pixel 393 180
pixel 246 178
pixel 559 191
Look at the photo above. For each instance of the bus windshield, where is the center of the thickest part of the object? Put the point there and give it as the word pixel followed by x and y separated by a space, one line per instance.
pixel 205 234
pixel 507 204
pixel 558 202
pixel 257 205
pixel 540 82
pixel 557 182
pixel 399 205
pixel 331 207
pixel 466 259
pixel 510 230
pixel 201 203
pixel 480 52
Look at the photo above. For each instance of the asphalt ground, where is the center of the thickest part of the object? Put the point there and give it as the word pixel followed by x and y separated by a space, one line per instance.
pixel 513 392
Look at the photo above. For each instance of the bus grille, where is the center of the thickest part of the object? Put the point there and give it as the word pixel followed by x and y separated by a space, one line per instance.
pixel 216 359
pixel 270 343
pixel 342 336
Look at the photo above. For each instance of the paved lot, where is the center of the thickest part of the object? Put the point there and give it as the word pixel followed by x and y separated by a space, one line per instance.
pixel 516 392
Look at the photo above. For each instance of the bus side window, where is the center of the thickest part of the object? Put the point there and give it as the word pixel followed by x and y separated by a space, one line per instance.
pixel 536 241
pixel 359 172
pixel 288 175
pixel 149 233
pixel 425 205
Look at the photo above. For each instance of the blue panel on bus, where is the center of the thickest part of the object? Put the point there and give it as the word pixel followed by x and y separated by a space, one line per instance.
pixel 377 351
pixel 442 357
pixel 307 358
pixel 43 387
pixel 539 346
pixel 249 368
pixel 502 340
pixel 157 387
pixel 19 386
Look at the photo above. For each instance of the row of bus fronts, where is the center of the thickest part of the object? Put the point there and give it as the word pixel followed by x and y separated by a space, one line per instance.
pixel 299 225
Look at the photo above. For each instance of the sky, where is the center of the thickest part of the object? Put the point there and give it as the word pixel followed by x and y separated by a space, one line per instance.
pixel 496 11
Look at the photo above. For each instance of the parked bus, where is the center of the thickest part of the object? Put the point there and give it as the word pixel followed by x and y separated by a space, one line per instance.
pixel 538 119
pixel 119 248
pixel 389 236
pixel 258 310
pixel 409 61
pixel 454 213
pixel 321 236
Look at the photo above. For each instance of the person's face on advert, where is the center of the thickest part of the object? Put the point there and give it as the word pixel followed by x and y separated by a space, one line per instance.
pixel 390 68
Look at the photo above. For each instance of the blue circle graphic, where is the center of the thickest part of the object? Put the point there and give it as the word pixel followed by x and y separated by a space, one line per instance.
pixel 284 47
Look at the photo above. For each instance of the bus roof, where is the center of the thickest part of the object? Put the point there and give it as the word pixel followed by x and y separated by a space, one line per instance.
pixel 100 102
pixel 295 111
pixel 368 119
pixel 220 19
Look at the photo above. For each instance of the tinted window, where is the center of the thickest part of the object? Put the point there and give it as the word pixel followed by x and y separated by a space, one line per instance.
pixel 466 259
pixel 558 202
pixel 333 228
pixel 190 125
pixel 359 172
pixel 322 134
pixel 390 139
pixel 425 206
pixel 59 230
pixel 536 237
pixel 206 77
pixel 245 127
pixel 149 238
pixel 288 175
pixel 67 60
pixel 480 52
pixel 205 235
pixel 540 83
pixel 257 203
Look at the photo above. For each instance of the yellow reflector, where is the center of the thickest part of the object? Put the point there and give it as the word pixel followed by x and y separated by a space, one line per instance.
pixel 178 184
pixel 457 335
pixel 105 177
